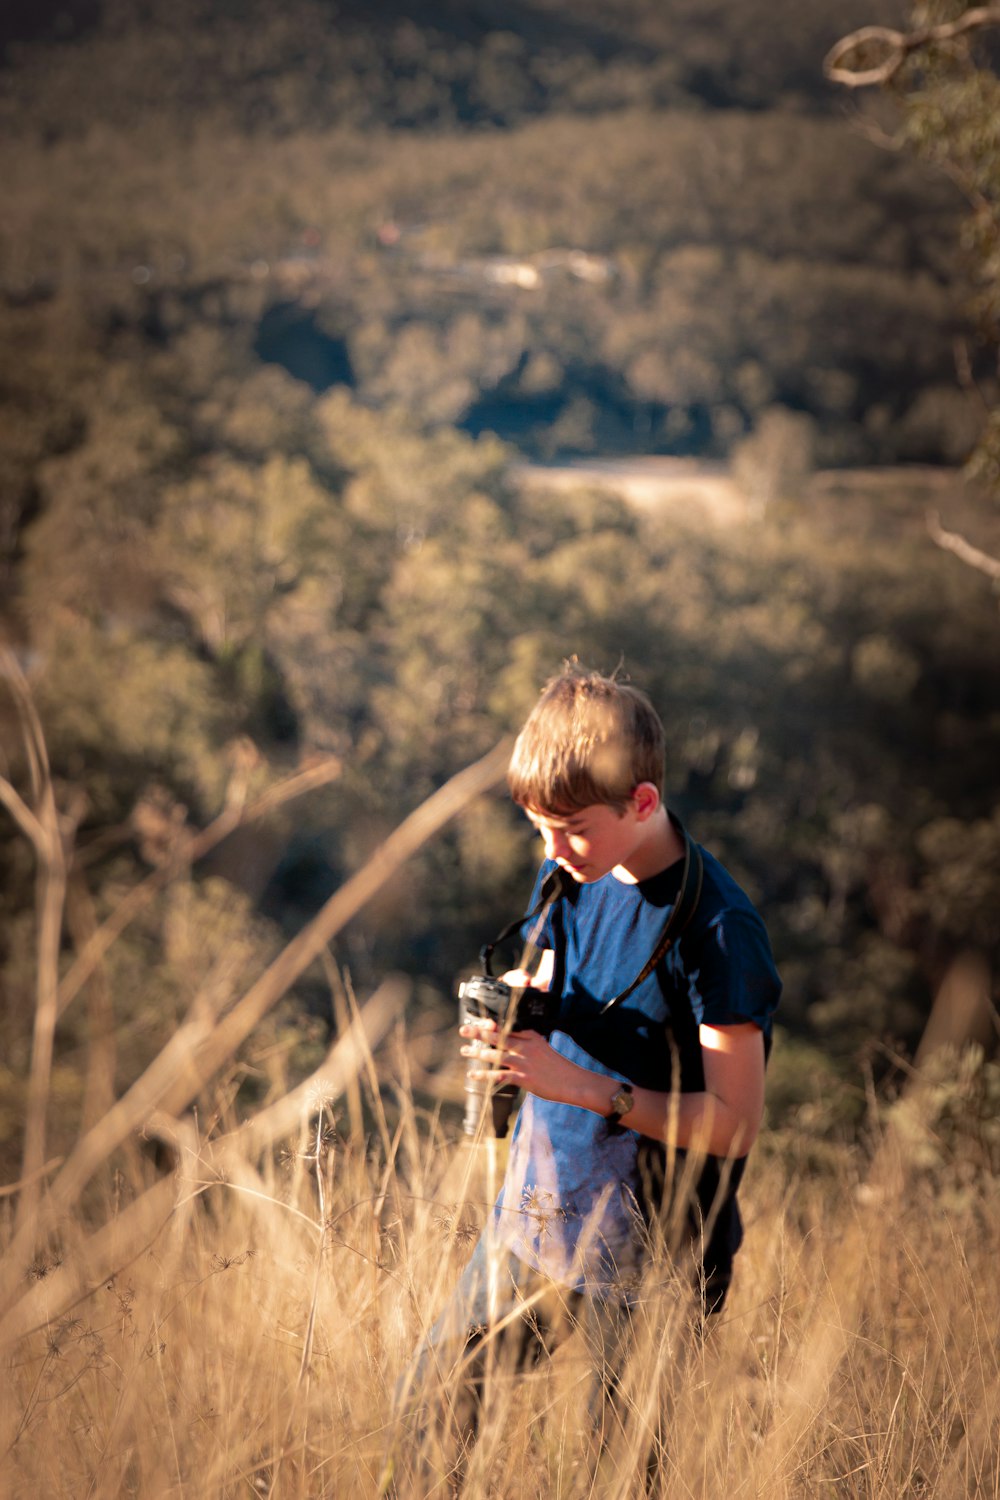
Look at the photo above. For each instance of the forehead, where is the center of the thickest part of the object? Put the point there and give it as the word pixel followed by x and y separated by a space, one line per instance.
pixel 573 819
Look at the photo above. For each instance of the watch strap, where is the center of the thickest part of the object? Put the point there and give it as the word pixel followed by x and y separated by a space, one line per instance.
pixel 617 1114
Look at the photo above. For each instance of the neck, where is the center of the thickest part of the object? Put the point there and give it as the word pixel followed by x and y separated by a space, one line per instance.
pixel 659 846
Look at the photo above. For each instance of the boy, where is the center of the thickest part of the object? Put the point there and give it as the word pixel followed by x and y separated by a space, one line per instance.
pixel 634 1074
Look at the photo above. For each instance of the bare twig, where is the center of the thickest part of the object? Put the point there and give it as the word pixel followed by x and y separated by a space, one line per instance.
pixel 17 686
pixel 963 372
pixel 99 1088
pixel 951 541
pixel 898 45
pixel 10 1188
pixel 421 825
pixel 21 813
pixel 50 834
pixel 305 1363
pixel 201 1046
pixel 188 853
pixel 117 1244
pixel 962 1011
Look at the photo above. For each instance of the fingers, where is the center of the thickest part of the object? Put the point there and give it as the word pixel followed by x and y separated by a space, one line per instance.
pixel 496 1063
pixel 518 979
pixel 482 1029
pixel 484 1053
pixel 506 1057
pixel 478 1027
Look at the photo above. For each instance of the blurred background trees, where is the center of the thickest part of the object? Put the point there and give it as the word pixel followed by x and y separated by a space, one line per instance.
pixel 940 75
pixel 282 299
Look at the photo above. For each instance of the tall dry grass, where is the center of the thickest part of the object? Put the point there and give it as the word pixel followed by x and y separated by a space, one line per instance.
pixel 245 1325
pixel 253 1345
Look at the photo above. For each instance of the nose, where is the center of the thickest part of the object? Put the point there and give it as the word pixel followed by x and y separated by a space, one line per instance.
pixel 556 845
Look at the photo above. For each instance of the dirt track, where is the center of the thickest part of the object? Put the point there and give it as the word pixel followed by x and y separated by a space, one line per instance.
pixel 890 499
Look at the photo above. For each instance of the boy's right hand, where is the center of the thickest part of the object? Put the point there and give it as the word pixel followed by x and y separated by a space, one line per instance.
pixel 518 979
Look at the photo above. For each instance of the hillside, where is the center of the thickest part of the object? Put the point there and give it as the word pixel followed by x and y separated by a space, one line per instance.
pixel 283 306
pixel 360 362
pixel 440 65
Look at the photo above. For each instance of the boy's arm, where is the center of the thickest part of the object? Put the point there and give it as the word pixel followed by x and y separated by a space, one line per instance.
pixel 723 1120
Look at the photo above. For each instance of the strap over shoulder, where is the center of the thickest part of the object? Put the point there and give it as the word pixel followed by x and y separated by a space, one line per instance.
pixel 558 885
pixel 681 913
pixel 555 886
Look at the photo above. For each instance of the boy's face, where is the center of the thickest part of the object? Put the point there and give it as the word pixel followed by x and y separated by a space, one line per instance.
pixel 591 842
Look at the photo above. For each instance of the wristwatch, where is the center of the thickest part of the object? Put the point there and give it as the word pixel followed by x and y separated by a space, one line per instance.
pixel 622 1101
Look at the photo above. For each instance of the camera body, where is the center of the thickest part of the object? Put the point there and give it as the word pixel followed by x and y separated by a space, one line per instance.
pixel 484 998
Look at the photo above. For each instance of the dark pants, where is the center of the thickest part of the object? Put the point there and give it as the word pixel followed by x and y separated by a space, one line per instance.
pixel 503 1321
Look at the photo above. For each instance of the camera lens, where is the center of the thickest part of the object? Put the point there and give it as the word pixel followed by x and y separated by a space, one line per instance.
pixel 484 998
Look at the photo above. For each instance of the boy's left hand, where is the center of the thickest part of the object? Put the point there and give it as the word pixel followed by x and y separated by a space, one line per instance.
pixel 523 1058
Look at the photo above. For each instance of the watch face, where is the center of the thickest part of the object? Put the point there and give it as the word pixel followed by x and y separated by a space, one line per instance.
pixel 622 1101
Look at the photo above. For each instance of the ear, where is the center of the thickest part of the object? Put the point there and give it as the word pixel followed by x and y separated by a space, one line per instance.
pixel 645 800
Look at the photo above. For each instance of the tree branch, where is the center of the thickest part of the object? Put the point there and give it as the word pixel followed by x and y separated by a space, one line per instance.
pixel 952 542
pixel 50 835
pixel 899 45
pixel 21 813
pixel 114 1246
pixel 202 1045
pixel 189 851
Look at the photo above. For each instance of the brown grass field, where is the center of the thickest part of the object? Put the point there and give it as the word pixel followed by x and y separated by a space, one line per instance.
pixel 240 1319
pixel 251 1332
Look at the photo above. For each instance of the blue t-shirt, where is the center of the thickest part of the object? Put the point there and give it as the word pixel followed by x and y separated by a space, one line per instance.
pixel 572 1200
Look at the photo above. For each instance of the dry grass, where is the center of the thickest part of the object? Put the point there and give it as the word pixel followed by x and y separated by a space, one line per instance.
pixel 241 1326
pixel 254 1345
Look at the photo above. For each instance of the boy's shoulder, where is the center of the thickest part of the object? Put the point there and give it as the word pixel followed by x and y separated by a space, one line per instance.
pixel 720 888
pixel 609 899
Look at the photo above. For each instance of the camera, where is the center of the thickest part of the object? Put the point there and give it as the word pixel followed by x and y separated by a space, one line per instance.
pixel 486 998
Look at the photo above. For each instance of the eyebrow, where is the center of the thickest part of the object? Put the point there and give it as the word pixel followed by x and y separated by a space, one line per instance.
pixel 573 821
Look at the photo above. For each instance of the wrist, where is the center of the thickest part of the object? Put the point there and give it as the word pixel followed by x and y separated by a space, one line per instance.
pixel 622 1103
pixel 607 1097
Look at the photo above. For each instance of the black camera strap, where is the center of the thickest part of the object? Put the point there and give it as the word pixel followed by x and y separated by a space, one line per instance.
pixel 554 886
pixel 557 884
pixel 683 909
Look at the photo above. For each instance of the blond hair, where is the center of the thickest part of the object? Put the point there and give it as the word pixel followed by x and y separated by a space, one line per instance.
pixel 589 739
